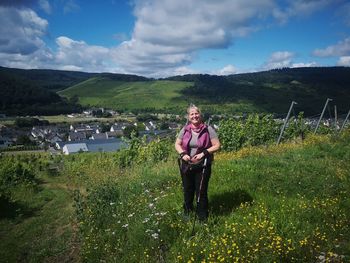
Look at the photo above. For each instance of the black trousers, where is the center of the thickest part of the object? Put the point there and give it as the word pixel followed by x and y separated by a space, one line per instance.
pixel 191 182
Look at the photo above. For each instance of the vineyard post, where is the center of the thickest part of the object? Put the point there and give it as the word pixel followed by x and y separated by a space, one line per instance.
pixel 324 109
pixel 346 118
pixel 285 121
pixel 335 118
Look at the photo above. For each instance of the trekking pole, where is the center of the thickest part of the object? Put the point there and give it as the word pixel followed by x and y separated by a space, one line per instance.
pixel 199 195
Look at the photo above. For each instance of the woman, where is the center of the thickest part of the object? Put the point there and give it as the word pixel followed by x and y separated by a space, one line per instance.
pixel 196 144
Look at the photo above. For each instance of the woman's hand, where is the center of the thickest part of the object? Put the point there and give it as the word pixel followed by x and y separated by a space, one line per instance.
pixel 197 157
pixel 186 158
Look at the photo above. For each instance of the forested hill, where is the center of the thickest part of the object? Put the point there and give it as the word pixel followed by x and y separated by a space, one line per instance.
pixel 34 91
pixel 273 91
pixel 59 79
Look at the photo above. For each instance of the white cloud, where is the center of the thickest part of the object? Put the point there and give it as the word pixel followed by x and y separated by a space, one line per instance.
pixel 284 59
pixel 279 59
pixel 304 65
pixel 164 38
pixel 41 58
pixel 21 31
pixel 45 5
pixel 344 61
pixel 227 70
pixel 342 48
pixel 78 55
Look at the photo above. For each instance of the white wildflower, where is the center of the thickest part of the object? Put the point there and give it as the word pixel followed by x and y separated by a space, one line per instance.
pixel 155 235
pixel 125 226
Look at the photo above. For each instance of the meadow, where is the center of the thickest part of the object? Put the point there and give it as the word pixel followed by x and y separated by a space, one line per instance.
pixel 268 203
pixel 128 95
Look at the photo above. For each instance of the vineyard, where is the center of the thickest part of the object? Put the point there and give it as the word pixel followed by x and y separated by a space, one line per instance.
pixel 268 202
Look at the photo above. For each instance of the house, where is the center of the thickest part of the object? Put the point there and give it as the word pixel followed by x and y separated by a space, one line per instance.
pixel 77 136
pixel 37 133
pixel 98 145
pixel 109 145
pixel 97 136
pixel 114 134
pixel 118 127
pixel 74 148
pixel 89 129
pixel 53 138
pixel 150 126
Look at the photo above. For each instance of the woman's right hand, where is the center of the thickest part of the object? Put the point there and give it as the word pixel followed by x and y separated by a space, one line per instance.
pixel 186 158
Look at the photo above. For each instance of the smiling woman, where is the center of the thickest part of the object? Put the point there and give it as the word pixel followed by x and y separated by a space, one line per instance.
pixel 196 144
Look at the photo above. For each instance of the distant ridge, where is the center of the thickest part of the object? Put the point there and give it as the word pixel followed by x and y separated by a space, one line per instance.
pixel 273 90
pixel 267 91
pixel 60 79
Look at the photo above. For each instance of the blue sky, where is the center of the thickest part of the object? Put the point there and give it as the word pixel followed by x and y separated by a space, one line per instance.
pixel 159 38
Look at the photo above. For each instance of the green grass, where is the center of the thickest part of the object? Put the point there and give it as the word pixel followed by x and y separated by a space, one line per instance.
pixel 128 95
pixel 285 203
pixel 38 225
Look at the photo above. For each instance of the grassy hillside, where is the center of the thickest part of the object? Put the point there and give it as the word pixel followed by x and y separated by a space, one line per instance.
pixel 270 91
pixel 286 203
pixel 274 90
pixel 109 93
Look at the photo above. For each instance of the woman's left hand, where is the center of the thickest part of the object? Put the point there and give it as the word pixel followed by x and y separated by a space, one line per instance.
pixel 197 157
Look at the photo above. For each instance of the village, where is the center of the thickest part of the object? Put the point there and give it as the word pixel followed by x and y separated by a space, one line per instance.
pixel 106 132
pixel 86 134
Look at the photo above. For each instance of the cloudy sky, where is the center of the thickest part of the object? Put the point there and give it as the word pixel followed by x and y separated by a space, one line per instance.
pixel 158 38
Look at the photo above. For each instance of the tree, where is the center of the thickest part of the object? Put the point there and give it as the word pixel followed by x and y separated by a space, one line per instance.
pixel 24 140
pixel 129 130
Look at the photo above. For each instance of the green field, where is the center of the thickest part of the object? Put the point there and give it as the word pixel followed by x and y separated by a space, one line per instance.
pixel 129 95
pixel 285 203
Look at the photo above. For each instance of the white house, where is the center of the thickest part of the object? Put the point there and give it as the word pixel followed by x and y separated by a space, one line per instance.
pixel 74 148
pixel 98 145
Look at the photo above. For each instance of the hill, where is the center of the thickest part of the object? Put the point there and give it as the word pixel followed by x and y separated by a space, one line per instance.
pixel 33 92
pixel 273 91
pixel 45 78
pixel 149 95
pixel 269 91
pixel 20 96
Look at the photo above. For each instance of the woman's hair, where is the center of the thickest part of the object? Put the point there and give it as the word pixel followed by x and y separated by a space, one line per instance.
pixel 192 106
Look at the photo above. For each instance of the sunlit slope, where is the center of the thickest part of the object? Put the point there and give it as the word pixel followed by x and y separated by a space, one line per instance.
pixel 128 95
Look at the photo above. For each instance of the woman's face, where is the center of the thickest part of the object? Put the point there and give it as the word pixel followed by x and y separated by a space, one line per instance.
pixel 194 117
